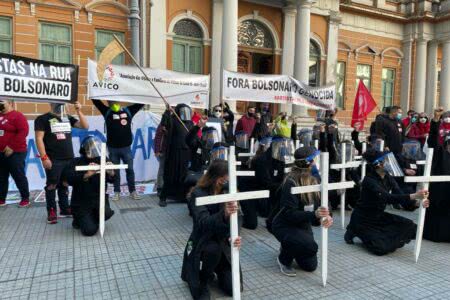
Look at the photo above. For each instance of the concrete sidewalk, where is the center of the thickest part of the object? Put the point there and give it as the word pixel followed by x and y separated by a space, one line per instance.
pixel 141 254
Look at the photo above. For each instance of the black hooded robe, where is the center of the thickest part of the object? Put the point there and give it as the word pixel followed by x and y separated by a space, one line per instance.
pixel 381 232
pixel 178 156
pixel 437 217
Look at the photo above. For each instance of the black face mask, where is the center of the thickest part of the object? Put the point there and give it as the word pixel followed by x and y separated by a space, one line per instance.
pixel 2 106
pixel 251 115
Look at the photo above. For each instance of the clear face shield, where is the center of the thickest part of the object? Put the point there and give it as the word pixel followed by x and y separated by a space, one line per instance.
pixel 92 147
pixel 283 150
pixel 242 140
pixel 219 153
pixel 210 137
pixel 412 150
pixel 57 108
pixel 391 165
pixel 265 142
pixel 305 136
pixel 350 151
pixel 185 113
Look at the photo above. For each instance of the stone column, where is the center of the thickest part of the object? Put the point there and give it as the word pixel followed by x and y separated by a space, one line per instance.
pixel 332 54
pixel 445 76
pixel 430 101
pixel 158 32
pixel 302 37
pixel 420 75
pixel 287 60
pixel 216 51
pixel 134 25
pixel 405 90
pixel 230 38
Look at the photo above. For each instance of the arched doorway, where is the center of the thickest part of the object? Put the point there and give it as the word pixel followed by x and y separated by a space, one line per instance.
pixel 256 55
pixel 314 63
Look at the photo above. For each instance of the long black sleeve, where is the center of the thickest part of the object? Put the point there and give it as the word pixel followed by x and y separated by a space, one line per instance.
pixel 192 139
pixel 356 142
pixel 135 108
pixel 291 209
pixel 207 222
pixel 73 176
pixel 100 106
pixel 433 138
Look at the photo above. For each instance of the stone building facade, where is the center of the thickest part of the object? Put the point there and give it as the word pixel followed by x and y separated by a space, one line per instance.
pixel 396 47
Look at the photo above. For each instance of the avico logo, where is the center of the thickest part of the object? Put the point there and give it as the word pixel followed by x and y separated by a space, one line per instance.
pixel 106 84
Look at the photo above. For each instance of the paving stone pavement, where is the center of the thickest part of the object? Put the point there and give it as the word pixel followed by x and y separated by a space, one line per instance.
pixel 140 257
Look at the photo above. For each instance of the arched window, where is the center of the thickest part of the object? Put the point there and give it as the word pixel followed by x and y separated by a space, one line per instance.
pixel 187 51
pixel 254 34
pixel 314 64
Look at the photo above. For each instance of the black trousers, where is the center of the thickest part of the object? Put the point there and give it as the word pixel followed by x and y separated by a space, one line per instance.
pixel 88 222
pixel 55 184
pixel 213 261
pixel 299 245
pixel 13 165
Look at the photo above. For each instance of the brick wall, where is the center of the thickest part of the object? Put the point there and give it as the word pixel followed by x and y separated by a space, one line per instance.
pixel 107 15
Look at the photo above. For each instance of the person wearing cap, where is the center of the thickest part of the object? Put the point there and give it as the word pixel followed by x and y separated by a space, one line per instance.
pixel 85 201
pixel 119 138
pixel 382 232
pixel 53 132
pixel 297 213
pixel 13 152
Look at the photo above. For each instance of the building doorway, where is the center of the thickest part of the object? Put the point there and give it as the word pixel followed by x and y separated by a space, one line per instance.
pixel 256 48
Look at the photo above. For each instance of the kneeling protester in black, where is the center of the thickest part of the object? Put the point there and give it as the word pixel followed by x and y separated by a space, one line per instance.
pixel 382 232
pixel 292 224
pixel 208 251
pixel 85 202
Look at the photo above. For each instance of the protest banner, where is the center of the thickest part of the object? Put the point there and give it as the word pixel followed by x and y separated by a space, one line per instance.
pixel 127 84
pixel 26 79
pixel 276 89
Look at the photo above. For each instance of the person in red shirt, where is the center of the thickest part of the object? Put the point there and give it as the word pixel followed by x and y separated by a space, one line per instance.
pixel 247 122
pixel 13 152
pixel 421 129
pixel 406 121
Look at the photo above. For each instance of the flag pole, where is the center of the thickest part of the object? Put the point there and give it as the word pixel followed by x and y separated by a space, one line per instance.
pixel 148 79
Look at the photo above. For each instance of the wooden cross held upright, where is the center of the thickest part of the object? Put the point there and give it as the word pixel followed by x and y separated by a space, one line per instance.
pixel 425 182
pixel 323 188
pixel 233 195
pixel 102 169
pixel 343 166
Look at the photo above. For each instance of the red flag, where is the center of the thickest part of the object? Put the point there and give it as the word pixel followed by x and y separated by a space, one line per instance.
pixel 364 104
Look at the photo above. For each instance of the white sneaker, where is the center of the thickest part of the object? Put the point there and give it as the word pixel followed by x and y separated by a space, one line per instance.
pixel 136 196
pixel 116 197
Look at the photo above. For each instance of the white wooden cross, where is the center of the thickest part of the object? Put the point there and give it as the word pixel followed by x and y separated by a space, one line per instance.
pixel 425 183
pixel 323 188
pixel 232 196
pixel 102 169
pixel 343 166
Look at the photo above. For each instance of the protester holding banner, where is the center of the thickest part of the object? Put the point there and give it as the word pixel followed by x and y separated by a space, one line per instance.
pixel 282 127
pixel 208 249
pixel 54 143
pixel 292 224
pixel 178 155
pixel 118 139
pixel 382 232
pixel 85 201
pixel 13 152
